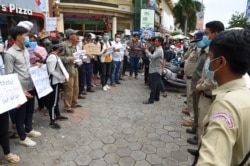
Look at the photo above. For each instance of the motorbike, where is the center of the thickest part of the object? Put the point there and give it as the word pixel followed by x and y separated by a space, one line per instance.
pixel 173 71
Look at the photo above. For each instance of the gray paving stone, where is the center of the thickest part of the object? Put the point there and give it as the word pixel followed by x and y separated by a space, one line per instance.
pixel 72 146
pixel 83 160
pixel 108 140
pixel 153 136
pixel 169 162
pixel 83 150
pixel 99 162
pixel 158 144
pixel 126 161
pixel 69 155
pixel 123 152
pixel 138 155
pixel 111 158
pixel 154 159
pixel 164 152
pixel 109 148
pixel 131 138
pixel 142 163
pixel 167 138
pixel 179 156
pixel 96 144
pixel 134 146
pixel 148 149
pixel 96 154
pixel 121 143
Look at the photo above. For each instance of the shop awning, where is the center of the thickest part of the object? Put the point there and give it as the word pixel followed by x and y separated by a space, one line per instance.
pixel 27 4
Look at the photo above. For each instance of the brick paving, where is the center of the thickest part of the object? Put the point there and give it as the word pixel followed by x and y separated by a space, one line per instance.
pixel 112 128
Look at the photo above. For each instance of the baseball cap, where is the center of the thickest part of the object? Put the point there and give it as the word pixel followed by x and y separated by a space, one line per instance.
pixel 26 24
pixel 69 32
pixel 197 37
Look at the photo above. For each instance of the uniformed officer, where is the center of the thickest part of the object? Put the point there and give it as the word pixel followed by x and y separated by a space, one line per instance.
pixel 225 136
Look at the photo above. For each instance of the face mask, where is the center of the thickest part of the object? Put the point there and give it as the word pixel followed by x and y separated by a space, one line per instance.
pixel 118 39
pixel 32 44
pixel 26 41
pixel 106 38
pixel 206 40
pixel 209 73
pixel 200 44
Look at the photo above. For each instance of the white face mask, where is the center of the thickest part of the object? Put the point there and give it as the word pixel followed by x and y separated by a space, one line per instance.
pixel 117 39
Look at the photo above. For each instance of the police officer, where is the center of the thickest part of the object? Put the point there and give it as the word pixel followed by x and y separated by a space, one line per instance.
pixel 225 136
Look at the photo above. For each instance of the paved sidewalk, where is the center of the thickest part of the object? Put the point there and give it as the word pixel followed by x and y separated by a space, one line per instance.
pixel 112 128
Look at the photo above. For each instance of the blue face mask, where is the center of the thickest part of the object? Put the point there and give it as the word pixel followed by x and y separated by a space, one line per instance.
pixel 200 44
pixel 106 38
pixel 209 73
pixel 32 44
pixel 26 41
pixel 206 40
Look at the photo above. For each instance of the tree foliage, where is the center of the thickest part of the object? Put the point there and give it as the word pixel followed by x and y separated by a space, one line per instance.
pixel 185 14
pixel 239 20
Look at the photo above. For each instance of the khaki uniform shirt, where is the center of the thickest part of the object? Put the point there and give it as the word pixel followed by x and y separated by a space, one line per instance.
pixel 192 58
pixel 68 50
pixel 226 136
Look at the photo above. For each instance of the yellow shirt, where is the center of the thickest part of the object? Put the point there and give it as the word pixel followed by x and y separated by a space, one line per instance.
pixel 226 136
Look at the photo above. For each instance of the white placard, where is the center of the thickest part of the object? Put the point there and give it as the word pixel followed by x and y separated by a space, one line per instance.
pixel 65 73
pixel 11 94
pixel 51 24
pixel 110 50
pixel 40 78
pixel 79 54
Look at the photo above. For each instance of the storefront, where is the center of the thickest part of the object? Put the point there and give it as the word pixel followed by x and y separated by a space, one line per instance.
pixel 13 11
pixel 96 16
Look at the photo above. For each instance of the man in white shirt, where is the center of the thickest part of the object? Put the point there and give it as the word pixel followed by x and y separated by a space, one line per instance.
pixel 116 60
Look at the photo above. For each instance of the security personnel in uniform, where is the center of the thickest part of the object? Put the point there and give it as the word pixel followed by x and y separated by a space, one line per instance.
pixel 225 136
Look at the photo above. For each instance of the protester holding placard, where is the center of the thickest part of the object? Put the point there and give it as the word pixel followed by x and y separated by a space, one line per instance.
pixel 71 88
pixel 56 78
pixel 17 61
pixel 106 59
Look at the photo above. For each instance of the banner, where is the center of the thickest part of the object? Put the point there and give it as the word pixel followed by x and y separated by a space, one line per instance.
pixel 51 23
pixel 147 23
pixel 248 11
pixel 40 79
pixel 11 94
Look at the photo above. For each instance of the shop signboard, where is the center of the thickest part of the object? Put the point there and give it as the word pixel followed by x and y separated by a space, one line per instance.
pixel 13 8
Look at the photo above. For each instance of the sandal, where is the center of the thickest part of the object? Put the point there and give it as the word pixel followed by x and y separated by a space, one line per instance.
pixel 165 94
pixel 13 135
pixel 12 158
pixel 77 105
pixel 147 102
pixel 70 111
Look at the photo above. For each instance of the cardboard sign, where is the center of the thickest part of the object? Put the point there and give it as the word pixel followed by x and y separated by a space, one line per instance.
pixel 41 81
pixel 11 94
pixel 92 49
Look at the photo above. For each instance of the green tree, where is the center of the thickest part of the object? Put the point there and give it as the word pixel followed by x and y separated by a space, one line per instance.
pixel 239 20
pixel 185 14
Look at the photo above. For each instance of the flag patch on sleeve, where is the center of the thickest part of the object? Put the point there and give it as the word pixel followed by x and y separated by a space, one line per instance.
pixel 225 116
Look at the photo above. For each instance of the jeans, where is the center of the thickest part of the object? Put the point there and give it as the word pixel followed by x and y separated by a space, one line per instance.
pixel 154 85
pixel 134 63
pixel 115 71
pixel 24 116
pixel 85 74
pixel 4 136
pixel 105 72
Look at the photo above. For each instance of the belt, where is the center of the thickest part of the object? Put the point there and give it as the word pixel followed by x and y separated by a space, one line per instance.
pixel 189 77
pixel 206 95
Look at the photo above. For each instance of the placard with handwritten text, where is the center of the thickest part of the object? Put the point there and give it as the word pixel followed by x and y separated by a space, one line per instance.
pixel 40 79
pixel 11 93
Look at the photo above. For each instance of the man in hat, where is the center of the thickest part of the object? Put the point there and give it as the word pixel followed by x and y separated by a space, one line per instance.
pixel 71 88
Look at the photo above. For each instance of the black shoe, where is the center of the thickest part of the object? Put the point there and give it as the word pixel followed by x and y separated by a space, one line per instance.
pixel 54 125
pixel 118 82
pixel 60 117
pixel 185 102
pixel 193 152
pixel 157 99
pixel 193 141
pixel 148 102
pixel 191 130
